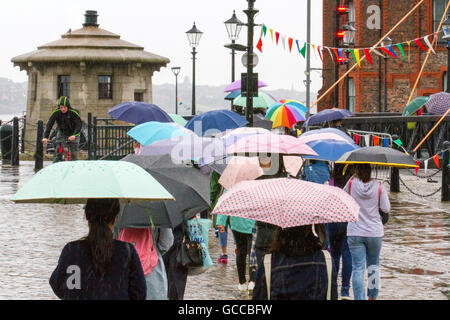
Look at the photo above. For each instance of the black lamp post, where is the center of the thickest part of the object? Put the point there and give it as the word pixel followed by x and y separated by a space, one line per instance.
pixel 250 12
pixel 194 36
pixel 234 26
pixel 176 72
pixel 349 41
pixel 446 37
pixel 386 43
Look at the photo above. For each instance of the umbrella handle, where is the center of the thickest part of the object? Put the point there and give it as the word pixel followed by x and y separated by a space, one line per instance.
pixel 151 219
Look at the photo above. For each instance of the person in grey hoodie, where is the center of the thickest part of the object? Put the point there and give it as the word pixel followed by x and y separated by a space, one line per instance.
pixel 365 236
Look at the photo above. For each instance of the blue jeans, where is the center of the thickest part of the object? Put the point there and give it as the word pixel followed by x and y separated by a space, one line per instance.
pixel 223 237
pixel 365 251
pixel 337 242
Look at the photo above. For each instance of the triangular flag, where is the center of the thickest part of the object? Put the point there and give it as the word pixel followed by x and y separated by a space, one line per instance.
pixel 290 41
pixel 356 138
pixel 378 53
pixel 376 141
pixel 358 60
pixel 392 51
pixel 425 165
pixel 303 50
pixel 398 142
pixel 386 142
pixel 353 54
pixel 319 49
pixel 367 140
pixel 283 40
pixel 399 46
pixel 341 55
pixel 271 34
pixel 298 46
pixel 368 57
pixel 264 30
pixel 388 52
pixel 427 41
pixel 314 47
pixel 331 55
pixel 436 161
pixel 417 169
pixel 409 50
pixel 259 45
pixel 420 44
pixel 277 36
pixel 336 54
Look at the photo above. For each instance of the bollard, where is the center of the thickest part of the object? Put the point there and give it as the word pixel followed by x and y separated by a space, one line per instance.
pixel 22 135
pixel 39 154
pixel 89 137
pixel 15 143
pixel 445 195
pixel 6 142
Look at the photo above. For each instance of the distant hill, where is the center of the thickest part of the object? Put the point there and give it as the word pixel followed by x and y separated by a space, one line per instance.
pixel 13 96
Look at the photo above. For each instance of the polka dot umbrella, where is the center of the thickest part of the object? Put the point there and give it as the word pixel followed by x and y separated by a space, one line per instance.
pixel 438 103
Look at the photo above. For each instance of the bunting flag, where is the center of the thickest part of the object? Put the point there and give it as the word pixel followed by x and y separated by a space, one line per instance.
pixel 271 34
pixel 277 36
pixel 298 46
pixel 283 40
pixel 425 165
pixel 341 55
pixel 336 54
pixel 290 41
pixel 429 44
pixel 386 142
pixel 357 57
pixel 417 169
pixel 259 45
pixel 409 51
pixel 417 41
pixel 388 52
pixel 398 142
pixel 378 53
pixel 331 55
pixel 436 161
pixel 368 57
pixel 367 140
pixel 376 141
pixel 303 50
pixel 320 52
pixel 356 138
pixel 399 46
pixel 392 51
pixel 264 30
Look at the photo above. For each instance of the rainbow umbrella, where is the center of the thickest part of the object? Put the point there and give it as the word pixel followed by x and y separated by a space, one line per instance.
pixel 285 115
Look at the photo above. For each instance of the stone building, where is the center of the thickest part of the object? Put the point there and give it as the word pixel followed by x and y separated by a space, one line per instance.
pixel 93 67
pixel 364 89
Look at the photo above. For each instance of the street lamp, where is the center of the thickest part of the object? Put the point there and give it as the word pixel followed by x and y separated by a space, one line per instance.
pixel 234 26
pixel 386 43
pixel 350 33
pixel 194 36
pixel 176 72
pixel 446 37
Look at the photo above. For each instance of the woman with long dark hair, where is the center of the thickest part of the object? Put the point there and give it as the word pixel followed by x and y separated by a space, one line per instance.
pixel 298 267
pixel 99 267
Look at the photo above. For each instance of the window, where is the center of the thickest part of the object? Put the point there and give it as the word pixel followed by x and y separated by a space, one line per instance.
pixel 138 96
pixel 352 13
pixel 444 81
pixel 63 86
pixel 438 11
pixel 351 95
pixel 105 87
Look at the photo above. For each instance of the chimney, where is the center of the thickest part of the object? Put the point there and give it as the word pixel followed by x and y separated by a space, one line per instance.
pixel 90 19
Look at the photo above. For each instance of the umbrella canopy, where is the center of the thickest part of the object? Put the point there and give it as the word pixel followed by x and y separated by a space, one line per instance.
pixel 270 143
pixel 138 112
pixel 232 136
pixel 152 131
pixel 378 156
pixel 236 85
pixel 285 114
pixel 326 116
pixel 326 130
pixel 414 106
pixel 178 119
pixel 240 169
pixel 215 121
pixel 322 136
pixel 259 121
pixel 438 103
pixel 263 100
pixel 189 186
pixel 306 203
pixel 330 150
pixel 233 95
pixel 77 181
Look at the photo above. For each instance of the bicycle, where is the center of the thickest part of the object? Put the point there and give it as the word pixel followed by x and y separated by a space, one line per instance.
pixel 62 151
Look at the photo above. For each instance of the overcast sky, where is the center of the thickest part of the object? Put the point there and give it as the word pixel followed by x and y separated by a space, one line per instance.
pixel 159 26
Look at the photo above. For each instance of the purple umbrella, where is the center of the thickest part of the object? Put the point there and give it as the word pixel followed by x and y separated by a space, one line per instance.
pixel 139 112
pixel 439 103
pixel 326 116
pixel 237 86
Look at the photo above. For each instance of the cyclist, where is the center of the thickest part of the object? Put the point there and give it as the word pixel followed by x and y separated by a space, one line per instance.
pixel 68 128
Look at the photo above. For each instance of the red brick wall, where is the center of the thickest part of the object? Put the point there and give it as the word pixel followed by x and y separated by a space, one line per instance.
pixel 401 75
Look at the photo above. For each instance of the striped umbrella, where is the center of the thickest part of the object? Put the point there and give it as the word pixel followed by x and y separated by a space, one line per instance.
pixel 285 114
pixel 439 103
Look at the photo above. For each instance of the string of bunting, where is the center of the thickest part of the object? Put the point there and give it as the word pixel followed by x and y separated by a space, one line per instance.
pixel 337 54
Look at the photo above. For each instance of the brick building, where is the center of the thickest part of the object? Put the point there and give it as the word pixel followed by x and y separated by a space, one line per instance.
pixel 364 88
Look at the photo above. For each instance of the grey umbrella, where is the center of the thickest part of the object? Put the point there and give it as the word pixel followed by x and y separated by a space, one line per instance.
pixel 188 185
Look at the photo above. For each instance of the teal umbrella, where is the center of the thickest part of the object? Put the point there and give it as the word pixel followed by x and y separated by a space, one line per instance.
pixel 77 181
pixel 414 105
pixel 178 119
pixel 149 132
pixel 263 100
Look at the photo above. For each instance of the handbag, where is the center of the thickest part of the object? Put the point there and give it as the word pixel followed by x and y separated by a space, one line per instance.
pixel 190 253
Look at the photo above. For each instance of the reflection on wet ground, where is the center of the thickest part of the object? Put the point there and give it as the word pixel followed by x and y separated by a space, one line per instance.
pixel 415 258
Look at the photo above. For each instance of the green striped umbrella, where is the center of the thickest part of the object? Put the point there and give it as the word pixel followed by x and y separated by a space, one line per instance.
pixel 263 100
pixel 178 119
pixel 414 105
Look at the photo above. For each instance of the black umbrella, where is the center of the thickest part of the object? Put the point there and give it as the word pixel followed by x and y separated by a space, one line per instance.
pixel 188 185
pixel 378 156
pixel 260 121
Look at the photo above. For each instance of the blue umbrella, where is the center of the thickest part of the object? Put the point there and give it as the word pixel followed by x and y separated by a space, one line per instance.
pixel 139 112
pixel 330 150
pixel 328 130
pixel 326 116
pixel 152 131
pixel 215 121
pixel 232 95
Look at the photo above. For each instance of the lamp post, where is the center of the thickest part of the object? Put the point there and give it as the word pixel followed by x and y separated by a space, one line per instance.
pixel 194 36
pixel 446 37
pixel 386 43
pixel 250 12
pixel 176 72
pixel 349 41
pixel 234 26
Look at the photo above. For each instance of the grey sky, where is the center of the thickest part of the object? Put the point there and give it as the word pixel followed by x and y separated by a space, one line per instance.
pixel 160 26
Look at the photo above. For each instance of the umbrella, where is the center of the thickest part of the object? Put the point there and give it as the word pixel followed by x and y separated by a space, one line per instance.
pixel 259 121
pixel 233 95
pixel 330 150
pixel 263 100
pixel 285 115
pixel 378 156
pixel 230 137
pixel 326 116
pixel 270 143
pixel 414 106
pixel 178 119
pixel 139 112
pixel 327 130
pixel 236 85
pixel 322 136
pixel 306 203
pixel 77 181
pixel 215 121
pixel 438 103
pixel 240 169
pixel 152 131
pixel 189 186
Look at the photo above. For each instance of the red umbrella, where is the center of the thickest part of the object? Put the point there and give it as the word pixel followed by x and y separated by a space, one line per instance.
pixel 288 202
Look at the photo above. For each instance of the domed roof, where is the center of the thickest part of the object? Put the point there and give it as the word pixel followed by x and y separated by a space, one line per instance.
pixel 90 44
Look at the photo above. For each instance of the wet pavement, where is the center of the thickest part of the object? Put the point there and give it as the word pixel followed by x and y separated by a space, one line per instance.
pixel 415 258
